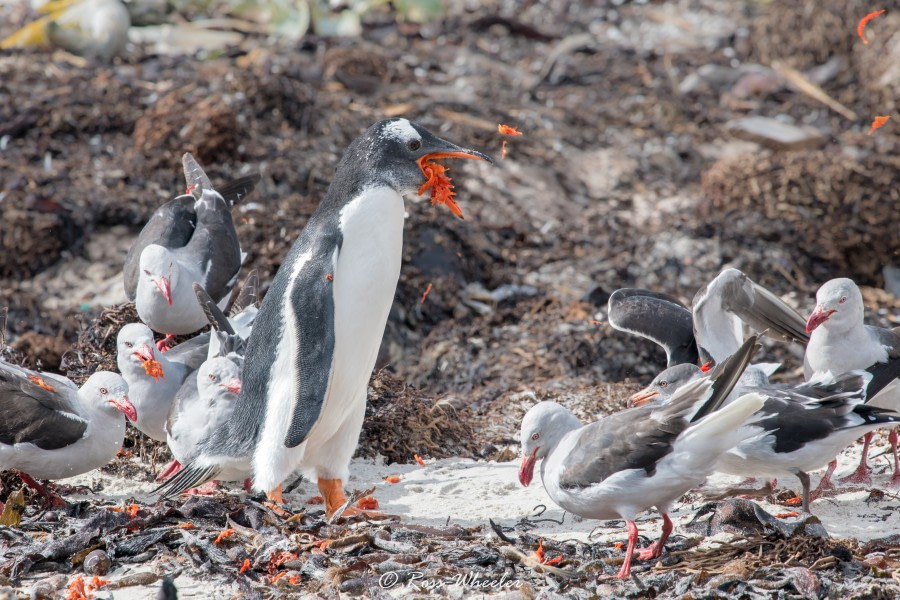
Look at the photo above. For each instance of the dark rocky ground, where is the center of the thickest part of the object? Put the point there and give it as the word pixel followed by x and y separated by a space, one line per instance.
pixel 629 174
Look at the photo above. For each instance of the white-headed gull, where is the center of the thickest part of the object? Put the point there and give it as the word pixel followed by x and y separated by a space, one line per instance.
pixel 154 377
pixel 840 341
pixel 641 457
pixel 50 429
pixel 189 239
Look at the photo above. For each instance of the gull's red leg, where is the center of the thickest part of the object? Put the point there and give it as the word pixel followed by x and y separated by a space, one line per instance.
pixel 655 549
pixel 861 474
pixel 625 571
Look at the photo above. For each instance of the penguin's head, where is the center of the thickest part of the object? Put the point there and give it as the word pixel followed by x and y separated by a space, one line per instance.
pixel 402 154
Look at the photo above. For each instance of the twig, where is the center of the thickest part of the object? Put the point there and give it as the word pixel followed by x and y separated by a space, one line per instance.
pixel 805 86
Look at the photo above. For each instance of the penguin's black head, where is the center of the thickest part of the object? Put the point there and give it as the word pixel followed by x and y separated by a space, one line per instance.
pixel 401 154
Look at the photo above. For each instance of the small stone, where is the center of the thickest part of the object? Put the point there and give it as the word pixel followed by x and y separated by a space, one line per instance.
pixel 804 581
pixel 42 590
pixel 97 563
pixel 757 84
pixel 776 135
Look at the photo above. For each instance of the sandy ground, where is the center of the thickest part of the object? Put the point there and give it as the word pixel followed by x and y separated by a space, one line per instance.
pixel 467 493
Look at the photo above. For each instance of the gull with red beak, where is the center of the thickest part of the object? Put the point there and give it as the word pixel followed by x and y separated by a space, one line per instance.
pixel 641 457
pixel 50 429
pixel 840 341
pixel 189 239
pixel 205 402
pixel 154 377
pixel 316 337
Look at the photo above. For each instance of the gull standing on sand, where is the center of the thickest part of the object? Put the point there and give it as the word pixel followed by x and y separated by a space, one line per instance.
pixel 641 457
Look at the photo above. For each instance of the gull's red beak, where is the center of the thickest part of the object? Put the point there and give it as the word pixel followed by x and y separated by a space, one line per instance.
pixel 145 353
pixel 233 385
pixel 526 471
pixel 163 284
pixel 818 316
pixel 127 408
pixel 640 398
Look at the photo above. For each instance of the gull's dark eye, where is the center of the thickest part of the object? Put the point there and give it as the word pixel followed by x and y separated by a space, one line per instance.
pixel 414 144
pixel 129 345
pixel 535 436
pixel 212 376
pixel 842 300
pixel 663 383
pixel 146 272
pixel 104 391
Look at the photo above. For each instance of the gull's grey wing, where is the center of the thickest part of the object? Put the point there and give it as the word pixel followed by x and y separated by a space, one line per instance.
pixel 724 305
pixel 236 190
pixel 171 226
pixel 186 393
pixel 194 176
pixel 246 295
pixel 656 317
pixel 629 439
pixel 31 413
pixel 888 338
pixel 638 438
pixel 214 248
pixel 191 352
pixel 214 314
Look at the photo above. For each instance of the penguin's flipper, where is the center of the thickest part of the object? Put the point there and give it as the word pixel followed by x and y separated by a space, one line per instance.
pixel 312 303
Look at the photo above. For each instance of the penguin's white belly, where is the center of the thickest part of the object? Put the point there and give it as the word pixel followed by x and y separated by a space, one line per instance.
pixel 365 281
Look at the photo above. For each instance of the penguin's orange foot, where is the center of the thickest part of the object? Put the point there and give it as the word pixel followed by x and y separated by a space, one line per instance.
pixel 275 495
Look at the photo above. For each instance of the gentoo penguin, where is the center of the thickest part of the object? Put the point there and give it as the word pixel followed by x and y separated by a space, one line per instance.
pixel 190 239
pixel 317 333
